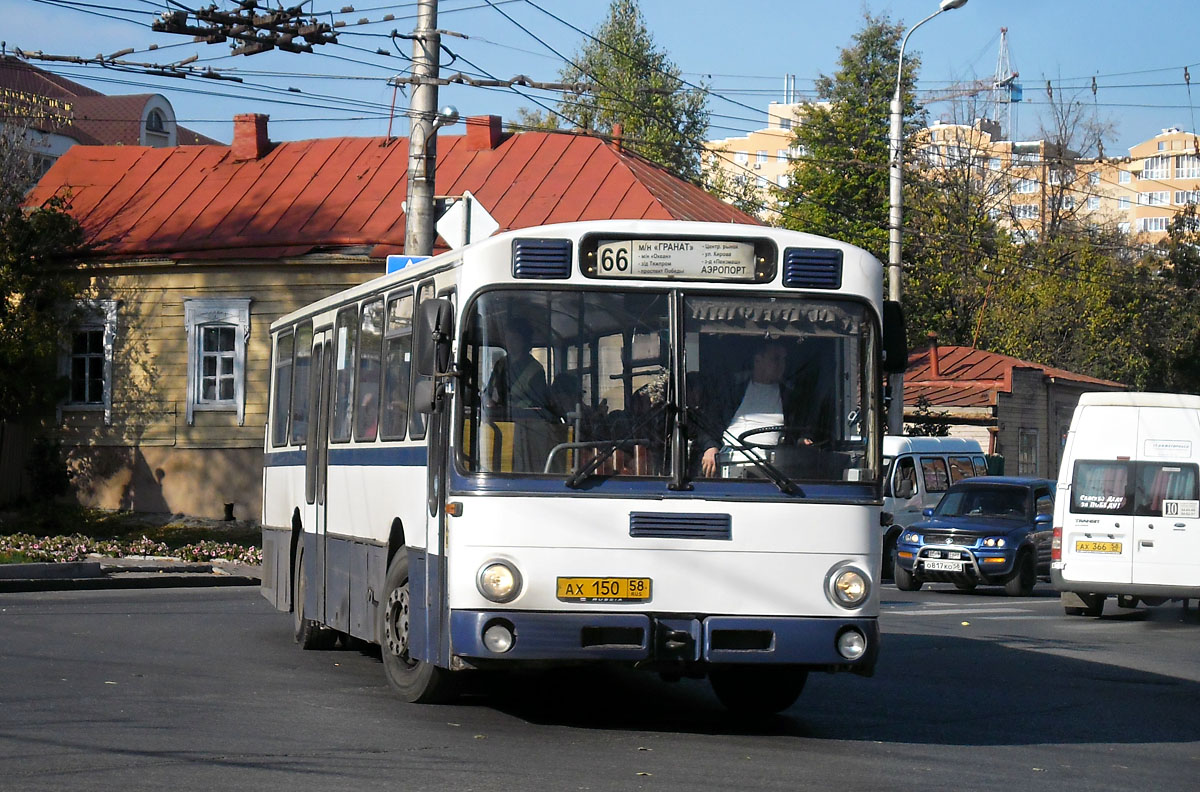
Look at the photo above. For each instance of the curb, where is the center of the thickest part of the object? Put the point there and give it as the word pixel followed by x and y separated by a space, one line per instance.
pixel 124 573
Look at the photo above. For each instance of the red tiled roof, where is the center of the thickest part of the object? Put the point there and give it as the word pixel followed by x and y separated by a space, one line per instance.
pixel 970 377
pixel 343 192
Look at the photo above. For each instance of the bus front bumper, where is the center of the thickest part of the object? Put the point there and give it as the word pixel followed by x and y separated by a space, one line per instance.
pixel 639 638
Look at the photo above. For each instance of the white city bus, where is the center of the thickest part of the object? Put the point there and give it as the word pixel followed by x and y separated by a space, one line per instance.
pixel 520 453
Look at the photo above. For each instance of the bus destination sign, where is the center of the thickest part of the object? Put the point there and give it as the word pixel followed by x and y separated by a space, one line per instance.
pixel 676 259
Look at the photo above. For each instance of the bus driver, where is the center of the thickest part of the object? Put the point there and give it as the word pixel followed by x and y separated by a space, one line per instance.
pixel 758 403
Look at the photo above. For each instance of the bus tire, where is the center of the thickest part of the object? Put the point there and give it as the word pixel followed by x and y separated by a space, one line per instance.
pixel 906 580
pixel 308 633
pixel 757 690
pixel 416 681
pixel 888 570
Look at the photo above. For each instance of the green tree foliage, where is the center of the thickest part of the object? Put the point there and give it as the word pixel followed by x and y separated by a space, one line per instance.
pixel 633 83
pixel 839 184
pixel 36 284
pixel 739 191
pixel 1174 271
pixel 928 421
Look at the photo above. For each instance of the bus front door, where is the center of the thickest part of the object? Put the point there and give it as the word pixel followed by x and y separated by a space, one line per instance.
pixel 316 474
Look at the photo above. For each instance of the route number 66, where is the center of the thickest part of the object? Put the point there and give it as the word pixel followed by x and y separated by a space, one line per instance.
pixel 614 257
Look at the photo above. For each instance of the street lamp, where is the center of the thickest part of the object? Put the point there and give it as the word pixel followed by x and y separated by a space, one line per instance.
pixel 896 204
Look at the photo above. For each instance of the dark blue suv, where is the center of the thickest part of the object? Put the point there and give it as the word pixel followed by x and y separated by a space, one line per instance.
pixel 992 531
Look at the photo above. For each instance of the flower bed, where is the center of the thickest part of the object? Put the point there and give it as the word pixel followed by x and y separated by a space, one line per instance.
pixel 77 547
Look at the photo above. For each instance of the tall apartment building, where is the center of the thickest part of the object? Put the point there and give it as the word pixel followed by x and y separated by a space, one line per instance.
pixel 1035 182
pixel 1138 194
pixel 763 157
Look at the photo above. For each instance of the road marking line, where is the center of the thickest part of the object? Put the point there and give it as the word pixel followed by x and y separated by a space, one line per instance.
pixel 954 611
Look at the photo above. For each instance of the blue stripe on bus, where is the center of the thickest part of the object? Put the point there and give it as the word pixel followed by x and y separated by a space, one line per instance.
pixel 401 456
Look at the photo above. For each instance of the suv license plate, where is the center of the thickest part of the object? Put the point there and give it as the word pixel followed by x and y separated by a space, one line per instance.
pixel 933 565
pixel 596 589
pixel 1097 547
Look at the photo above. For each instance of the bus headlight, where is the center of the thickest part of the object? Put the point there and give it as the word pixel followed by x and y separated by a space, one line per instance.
pixel 499 581
pixel 848 586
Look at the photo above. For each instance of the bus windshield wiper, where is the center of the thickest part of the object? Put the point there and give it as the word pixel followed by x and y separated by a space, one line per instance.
pixel 774 474
pixel 604 451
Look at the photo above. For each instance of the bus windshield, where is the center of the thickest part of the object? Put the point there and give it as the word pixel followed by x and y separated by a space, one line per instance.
pixel 572 382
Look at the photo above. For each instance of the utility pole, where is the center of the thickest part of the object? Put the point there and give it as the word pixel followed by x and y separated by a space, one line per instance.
pixel 422 140
pixel 896 204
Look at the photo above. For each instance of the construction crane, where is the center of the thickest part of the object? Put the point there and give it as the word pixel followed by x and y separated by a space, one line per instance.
pixel 1003 88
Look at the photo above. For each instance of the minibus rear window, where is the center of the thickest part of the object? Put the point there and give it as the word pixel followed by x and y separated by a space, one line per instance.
pixel 1101 487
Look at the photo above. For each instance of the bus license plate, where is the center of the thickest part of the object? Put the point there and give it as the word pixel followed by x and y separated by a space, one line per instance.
pixel 1097 547
pixel 943 566
pixel 594 589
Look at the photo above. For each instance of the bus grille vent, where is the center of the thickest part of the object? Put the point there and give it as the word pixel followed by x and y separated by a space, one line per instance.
pixel 657 525
pixel 541 258
pixel 812 268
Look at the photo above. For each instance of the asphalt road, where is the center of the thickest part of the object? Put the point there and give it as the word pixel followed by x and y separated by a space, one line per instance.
pixel 202 689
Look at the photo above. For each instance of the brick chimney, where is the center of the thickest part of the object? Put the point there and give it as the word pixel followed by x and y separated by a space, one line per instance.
pixel 617 131
pixel 484 132
pixel 935 364
pixel 250 136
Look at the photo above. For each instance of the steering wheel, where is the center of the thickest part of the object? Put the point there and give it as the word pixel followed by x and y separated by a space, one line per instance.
pixel 761 430
pixel 776 428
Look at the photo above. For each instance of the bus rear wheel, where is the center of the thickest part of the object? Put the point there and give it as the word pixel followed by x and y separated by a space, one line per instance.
pixel 416 681
pixel 757 690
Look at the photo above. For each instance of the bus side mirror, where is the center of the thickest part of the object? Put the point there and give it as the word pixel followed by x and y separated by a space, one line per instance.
pixel 895 338
pixel 434 330
pixel 425 396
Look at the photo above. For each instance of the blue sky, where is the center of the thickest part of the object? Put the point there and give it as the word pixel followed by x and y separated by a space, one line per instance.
pixel 1136 52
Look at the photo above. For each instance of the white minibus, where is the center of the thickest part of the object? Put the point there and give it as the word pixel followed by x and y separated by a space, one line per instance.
pixel 917 471
pixel 1127 515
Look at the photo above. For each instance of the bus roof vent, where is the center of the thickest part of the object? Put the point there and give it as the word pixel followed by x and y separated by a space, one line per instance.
pixel 541 258
pixel 812 268
pixel 657 525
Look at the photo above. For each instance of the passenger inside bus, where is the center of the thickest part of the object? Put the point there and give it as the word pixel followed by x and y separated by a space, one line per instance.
pixel 517 392
pixel 518 381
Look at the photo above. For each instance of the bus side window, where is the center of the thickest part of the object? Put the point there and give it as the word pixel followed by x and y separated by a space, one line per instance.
pixel 284 368
pixel 300 375
pixel 934 471
pixel 344 336
pixel 397 356
pixel 366 412
pixel 417 420
pixel 906 478
pixel 980 466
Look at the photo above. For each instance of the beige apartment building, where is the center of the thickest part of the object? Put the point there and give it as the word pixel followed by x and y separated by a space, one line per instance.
pixel 763 157
pixel 1035 183
pixel 1039 183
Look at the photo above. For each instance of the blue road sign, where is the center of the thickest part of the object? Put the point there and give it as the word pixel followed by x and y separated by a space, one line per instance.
pixel 397 263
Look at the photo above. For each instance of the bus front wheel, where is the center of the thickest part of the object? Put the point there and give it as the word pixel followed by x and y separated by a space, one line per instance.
pixel 415 680
pixel 757 690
